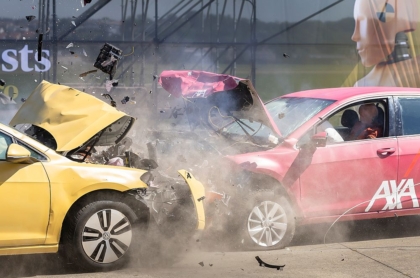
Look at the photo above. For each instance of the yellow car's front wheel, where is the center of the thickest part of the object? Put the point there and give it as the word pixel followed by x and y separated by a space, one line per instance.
pixel 101 235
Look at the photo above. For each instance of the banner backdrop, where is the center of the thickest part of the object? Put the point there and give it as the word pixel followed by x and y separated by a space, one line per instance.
pixel 353 43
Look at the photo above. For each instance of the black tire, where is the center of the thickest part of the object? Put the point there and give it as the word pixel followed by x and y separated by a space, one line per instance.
pixel 100 235
pixel 268 233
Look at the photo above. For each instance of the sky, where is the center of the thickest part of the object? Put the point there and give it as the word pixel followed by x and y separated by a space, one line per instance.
pixel 267 10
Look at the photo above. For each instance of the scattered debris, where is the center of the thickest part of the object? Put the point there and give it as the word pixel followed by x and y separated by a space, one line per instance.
pixel 154 77
pixel 201 198
pixel 29 18
pixel 84 53
pixel 197 240
pixel 110 83
pixel 71 52
pixel 342 259
pixel 74 23
pixel 40 36
pixel 210 264
pixel 2 82
pixel 64 67
pixel 48 30
pixel 23 99
pixel 285 55
pixel 161 111
pixel 201 263
pixel 188 176
pixel 87 72
pixel 107 59
pixel 125 100
pixel 279 267
pixel 150 92
pixel 84 2
pixel 70 45
pixel 108 96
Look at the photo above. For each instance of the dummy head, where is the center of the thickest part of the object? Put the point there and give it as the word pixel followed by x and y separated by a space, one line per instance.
pixel 376 24
pixel 367 113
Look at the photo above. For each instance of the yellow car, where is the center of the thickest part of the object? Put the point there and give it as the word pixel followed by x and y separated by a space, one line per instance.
pixel 51 201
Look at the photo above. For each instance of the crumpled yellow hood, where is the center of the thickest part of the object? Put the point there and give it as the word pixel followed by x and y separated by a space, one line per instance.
pixel 71 116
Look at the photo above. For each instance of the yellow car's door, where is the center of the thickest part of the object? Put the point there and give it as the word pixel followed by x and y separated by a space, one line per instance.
pixel 24 200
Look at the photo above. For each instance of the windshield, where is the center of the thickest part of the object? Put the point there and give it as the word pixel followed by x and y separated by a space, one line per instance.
pixel 290 113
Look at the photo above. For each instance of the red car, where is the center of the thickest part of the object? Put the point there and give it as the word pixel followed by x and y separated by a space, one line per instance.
pixel 307 157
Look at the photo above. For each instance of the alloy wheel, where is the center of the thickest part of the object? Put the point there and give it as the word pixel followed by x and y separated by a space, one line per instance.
pixel 106 236
pixel 267 223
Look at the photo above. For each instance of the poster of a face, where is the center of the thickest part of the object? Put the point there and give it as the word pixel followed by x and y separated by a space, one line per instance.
pixel 385 37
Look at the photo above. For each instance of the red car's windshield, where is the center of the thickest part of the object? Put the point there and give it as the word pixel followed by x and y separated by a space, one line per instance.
pixel 290 113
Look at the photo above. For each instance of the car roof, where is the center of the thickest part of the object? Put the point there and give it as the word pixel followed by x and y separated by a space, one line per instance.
pixel 348 92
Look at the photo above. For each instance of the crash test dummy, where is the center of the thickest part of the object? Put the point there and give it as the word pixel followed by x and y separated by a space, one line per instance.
pixel 383 29
pixel 367 127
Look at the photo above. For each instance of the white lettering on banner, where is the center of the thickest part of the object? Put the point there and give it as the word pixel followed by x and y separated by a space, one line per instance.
pixel 393 194
pixel 11 60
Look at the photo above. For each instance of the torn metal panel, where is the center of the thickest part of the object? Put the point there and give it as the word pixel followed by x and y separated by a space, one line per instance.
pixel 232 97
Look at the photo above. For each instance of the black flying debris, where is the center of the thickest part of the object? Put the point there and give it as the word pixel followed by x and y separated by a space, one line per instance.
pixel 279 267
pixel 30 17
pixel 154 77
pixel 201 263
pixel 71 52
pixel 40 36
pixel 2 82
pixel 285 55
pixel 108 96
pixel 115 84
pixel 125 100
pixel 23 99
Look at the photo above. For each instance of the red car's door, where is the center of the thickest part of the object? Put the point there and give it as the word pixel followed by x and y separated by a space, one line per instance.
pixel 357 175
pixel 408 191
pixel 344 175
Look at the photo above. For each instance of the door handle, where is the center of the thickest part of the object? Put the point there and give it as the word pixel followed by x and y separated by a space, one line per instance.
pixel 385 151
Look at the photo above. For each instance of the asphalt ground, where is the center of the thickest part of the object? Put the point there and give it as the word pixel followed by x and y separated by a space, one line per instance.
pixel 379 248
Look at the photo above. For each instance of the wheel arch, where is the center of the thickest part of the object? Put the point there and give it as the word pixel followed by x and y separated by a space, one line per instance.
pixel 138 206
pixel 266 182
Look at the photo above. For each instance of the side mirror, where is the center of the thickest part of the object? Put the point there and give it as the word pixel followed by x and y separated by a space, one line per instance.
pixel 319 139
pixel 18 154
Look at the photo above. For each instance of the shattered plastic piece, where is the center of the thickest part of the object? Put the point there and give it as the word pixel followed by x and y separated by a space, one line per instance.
pixel 154 77
pixel 279 267
pixel 285 55
pixel 71 52
pixel 107 59
pixel 201 263
pixel 48 30
pixel 23 99
pixel 84 53
pixel 64 67
pixel 87 72
pixel 84 2
pixel 29 18
pixel 70 45
pixel 161 111
pixel 201 199
pixel 125 100
pixel 74 23
pixel 150 92
pixel 110 83
pixel 2 82
pixel 108 96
